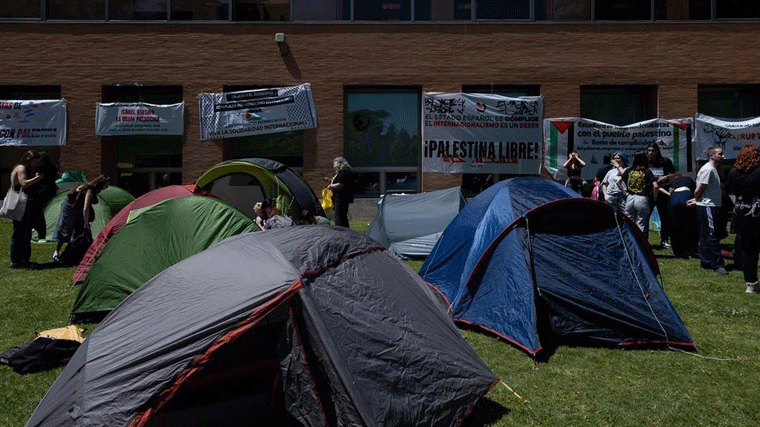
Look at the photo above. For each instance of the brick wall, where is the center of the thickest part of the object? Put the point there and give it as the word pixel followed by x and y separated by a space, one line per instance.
pixel 81 57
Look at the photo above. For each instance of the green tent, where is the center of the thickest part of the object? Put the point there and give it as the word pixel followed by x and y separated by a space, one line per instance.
pixel 153 239
pixel 110 202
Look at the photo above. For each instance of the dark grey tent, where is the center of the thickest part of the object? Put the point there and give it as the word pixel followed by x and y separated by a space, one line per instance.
pixel 311 325
pixel 409 225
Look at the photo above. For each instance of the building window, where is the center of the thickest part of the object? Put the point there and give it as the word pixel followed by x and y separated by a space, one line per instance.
pixel 143 162
pixel 76 9
pixel 729 102
pixel 138 10
pixel 382 10
pixel 262 10
pixel 20 9
pixel 619 105
pixel 737 9
pixel 474 183
pixel 563 10
pixel 209 10
pixel 9 156
pixel 382 138
pixel 623 10
pixel 502 9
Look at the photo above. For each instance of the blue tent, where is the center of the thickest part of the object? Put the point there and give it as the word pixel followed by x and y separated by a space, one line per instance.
pixel 539 266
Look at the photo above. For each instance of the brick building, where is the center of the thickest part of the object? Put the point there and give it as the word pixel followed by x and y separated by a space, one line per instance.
pixel 618 62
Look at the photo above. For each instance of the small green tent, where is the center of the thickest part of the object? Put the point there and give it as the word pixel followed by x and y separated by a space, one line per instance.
pixel 110 202
pixel 153 239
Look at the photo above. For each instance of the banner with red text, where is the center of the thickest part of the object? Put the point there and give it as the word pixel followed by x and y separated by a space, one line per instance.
pixel 139 118
pixel 257 112
pixel 33 123
pixel 592 140
pixel 481 133
pixel 729 134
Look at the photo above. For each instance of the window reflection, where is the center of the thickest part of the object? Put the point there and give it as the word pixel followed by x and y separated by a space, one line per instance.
pixel 729 101
pixel 209 10
pixel 619 105
pixel 76 9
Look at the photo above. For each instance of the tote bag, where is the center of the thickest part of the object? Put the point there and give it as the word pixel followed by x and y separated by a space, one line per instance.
pixel 14 204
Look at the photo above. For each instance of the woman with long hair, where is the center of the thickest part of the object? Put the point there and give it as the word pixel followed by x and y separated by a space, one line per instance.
pixel 639 183
pixel 342 186
pixel 744 182
pixel 77 212
pixel 21 179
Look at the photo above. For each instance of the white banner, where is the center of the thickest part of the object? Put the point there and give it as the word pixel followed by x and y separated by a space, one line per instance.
pixel 33 123
pixel 139 118
pixel 729 134
pixel 256 112
pixel 481 133
pixel 592 140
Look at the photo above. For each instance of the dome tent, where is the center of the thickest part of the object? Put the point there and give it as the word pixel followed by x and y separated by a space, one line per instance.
pixel 118 221
pixel 313 324
pixel 153 239
pixel 539 266
pixel 410 224
pixel 243 182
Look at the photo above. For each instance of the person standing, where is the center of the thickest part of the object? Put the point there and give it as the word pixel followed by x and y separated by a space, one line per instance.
pixel 684 232
pixel 707 199
pixel 21 239
pixel 639 183
pixel 661 167
pixel 342 187
pixel 744 182
pixel 574 166
pixel 77 212
pixel 41 193
pixel 612 193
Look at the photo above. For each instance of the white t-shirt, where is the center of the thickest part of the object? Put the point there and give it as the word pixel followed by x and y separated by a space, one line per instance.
pixel 610 180
pixel 712 194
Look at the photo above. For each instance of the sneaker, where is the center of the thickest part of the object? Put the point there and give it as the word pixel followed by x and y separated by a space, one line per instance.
pixel 721 270
pixel 665 244
pixel 42 241
pixel 56 258
pixel 751 288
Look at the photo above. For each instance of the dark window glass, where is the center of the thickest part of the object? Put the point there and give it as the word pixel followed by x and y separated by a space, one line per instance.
pixel 262 10
pixel 138 10
pixel 619 105
pixel 737 9
pixel 731 102
pixel 20 9
pixel 76 9
pixel 382 10
pixel 563 10
pixel 310 10
pixel 681 10
pixel 209 10
pixel 623 10
pixel 382 127
pixel 503 9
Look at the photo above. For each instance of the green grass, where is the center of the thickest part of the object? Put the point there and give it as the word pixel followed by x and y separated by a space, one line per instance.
pixel 717 386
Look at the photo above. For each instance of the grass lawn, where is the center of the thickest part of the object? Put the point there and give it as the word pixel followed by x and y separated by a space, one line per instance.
pixel 717 386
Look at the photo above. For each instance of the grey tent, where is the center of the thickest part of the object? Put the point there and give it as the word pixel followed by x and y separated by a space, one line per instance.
pixel 308 325
pixel 409 225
